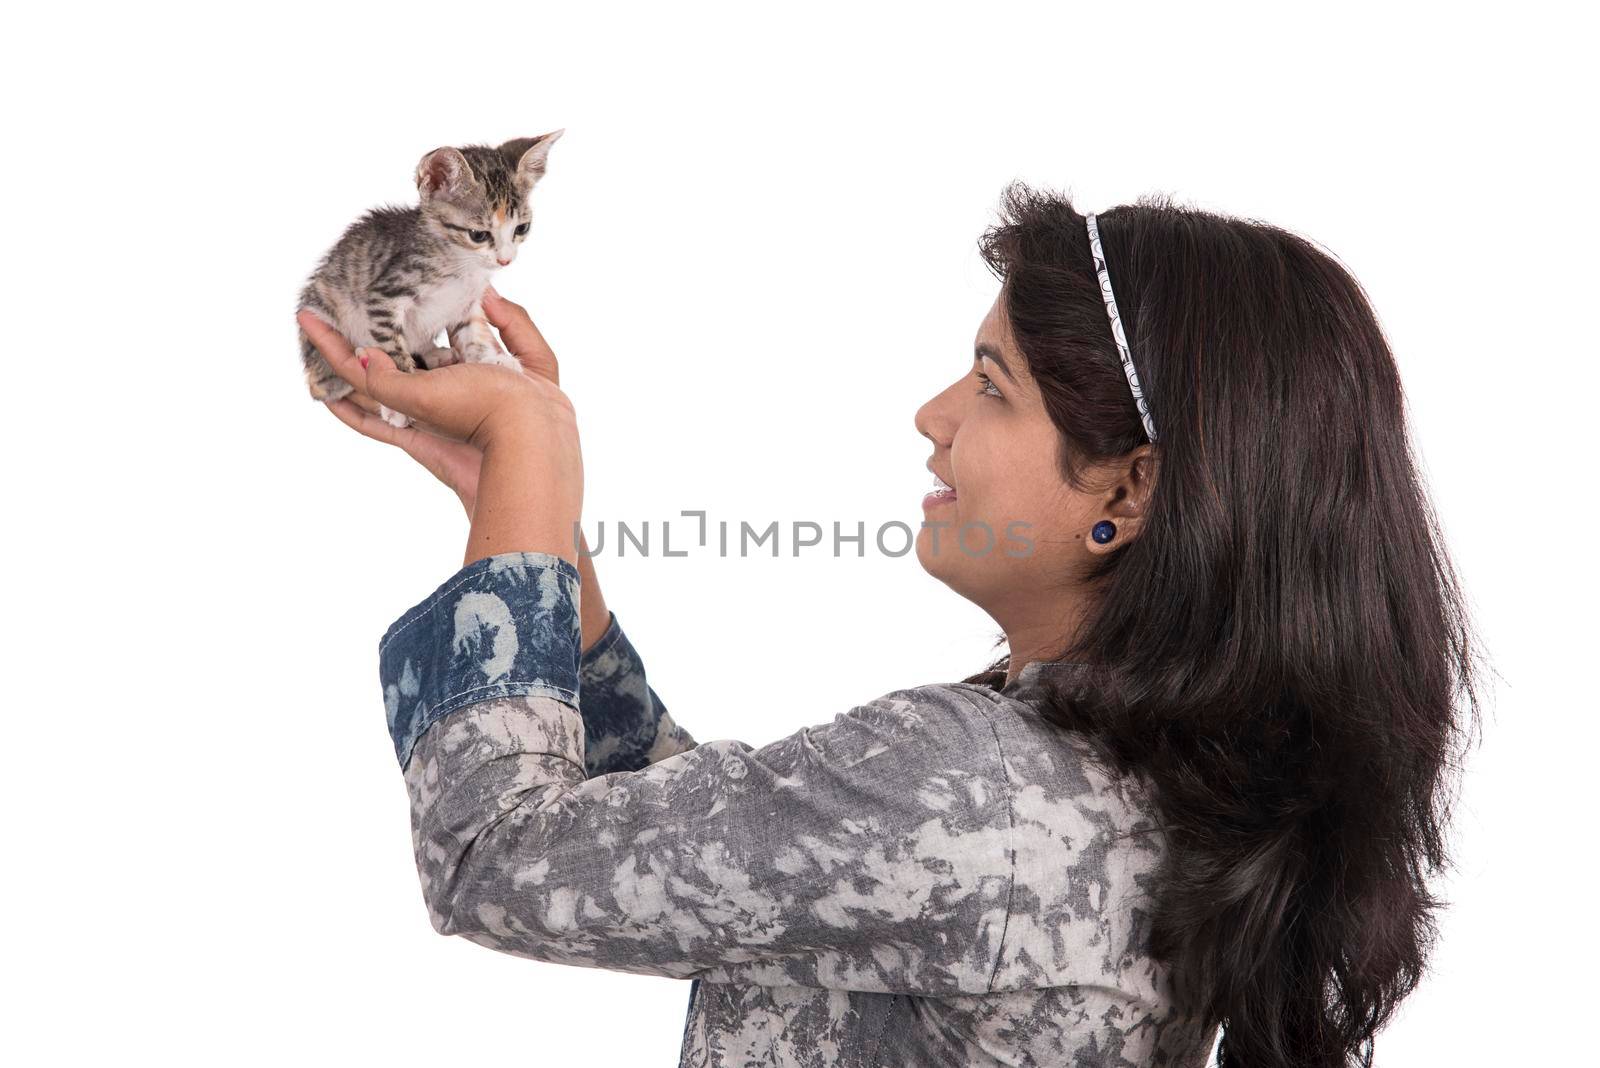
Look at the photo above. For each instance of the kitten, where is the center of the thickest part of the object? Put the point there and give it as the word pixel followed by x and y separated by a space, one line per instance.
pixel 398 276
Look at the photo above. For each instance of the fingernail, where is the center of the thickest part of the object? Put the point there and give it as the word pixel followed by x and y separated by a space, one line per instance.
pixel 493 292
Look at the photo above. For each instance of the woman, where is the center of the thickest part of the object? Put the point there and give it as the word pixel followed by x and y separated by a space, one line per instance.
pixel 1204 788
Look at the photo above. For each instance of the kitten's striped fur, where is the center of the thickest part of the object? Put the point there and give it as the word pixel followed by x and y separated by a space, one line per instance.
pixel 399 276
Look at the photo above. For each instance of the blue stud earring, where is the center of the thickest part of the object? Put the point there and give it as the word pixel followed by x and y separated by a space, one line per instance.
pixel 1104 531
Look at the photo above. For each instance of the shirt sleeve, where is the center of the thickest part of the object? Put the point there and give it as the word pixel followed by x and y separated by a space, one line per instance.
pixel 869 853
pixel 626 725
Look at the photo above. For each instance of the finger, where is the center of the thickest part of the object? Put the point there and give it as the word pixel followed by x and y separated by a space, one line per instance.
pixel 372 408
pixel 362 401
pixel 521 337
pixel 333 346
pixel 367 404
pixel 383 381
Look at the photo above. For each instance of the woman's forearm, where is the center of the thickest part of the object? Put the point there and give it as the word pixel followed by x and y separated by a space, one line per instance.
pixel 523 504
pixel 514 511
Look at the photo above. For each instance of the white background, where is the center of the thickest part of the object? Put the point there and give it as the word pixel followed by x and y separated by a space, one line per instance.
pixel 755 254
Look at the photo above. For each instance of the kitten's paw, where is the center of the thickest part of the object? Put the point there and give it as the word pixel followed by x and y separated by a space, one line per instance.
pixel 439 356
pixel 392 417
pixel 494 356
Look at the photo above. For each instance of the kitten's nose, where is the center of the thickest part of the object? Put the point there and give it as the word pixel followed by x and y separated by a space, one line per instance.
pixel 501 262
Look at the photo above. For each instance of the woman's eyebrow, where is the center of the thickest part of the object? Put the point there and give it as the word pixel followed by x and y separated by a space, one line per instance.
pixel 983 348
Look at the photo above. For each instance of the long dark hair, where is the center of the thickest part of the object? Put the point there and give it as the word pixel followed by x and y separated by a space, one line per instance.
pixel 1283 648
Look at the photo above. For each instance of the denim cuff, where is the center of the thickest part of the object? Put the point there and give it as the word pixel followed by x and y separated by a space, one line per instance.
pixel 591 662
pixel 503 625
pixel 624 719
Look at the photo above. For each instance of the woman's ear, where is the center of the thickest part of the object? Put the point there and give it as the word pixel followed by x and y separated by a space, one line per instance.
pixel 1126 501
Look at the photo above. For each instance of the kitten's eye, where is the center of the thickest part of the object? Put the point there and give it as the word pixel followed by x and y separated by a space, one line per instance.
pixel 522 229
pixel 480 236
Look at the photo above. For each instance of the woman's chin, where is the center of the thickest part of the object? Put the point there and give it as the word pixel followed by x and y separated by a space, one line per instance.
pixel 947 563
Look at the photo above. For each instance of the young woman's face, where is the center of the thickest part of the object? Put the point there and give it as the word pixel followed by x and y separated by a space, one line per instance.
pixel 1013 536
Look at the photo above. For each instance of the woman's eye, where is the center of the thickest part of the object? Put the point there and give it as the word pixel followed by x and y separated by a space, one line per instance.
pixel 522 229
pixel 989 389
pixel 480 236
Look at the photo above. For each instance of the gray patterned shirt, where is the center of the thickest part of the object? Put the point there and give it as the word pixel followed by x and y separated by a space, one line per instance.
pixel 935 877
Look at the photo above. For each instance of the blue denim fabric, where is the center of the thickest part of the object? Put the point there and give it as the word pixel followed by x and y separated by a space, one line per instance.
pixel 501 626
pixel 626 725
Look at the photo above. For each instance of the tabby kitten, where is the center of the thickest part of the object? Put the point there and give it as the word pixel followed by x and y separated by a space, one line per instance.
pixel 398 276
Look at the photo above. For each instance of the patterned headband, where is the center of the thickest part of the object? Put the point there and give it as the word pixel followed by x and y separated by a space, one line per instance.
pixel 1116 328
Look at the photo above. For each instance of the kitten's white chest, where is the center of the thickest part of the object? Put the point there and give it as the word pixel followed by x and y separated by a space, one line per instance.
pixel 441 305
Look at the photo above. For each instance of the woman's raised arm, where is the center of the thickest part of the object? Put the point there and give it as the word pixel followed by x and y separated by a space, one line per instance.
pixel 626 723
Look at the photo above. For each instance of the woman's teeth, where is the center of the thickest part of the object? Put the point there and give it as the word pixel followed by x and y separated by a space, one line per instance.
pixel 941 486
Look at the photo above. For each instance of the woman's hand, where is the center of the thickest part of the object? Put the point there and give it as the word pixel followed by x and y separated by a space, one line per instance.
pixel 530 484
pixel 465 401
pixel 455 463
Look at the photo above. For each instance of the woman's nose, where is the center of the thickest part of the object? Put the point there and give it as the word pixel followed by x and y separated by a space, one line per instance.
pixel 935 421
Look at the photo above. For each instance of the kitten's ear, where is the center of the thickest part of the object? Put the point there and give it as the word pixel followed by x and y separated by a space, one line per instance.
pixel 526 155
pixel 443 172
